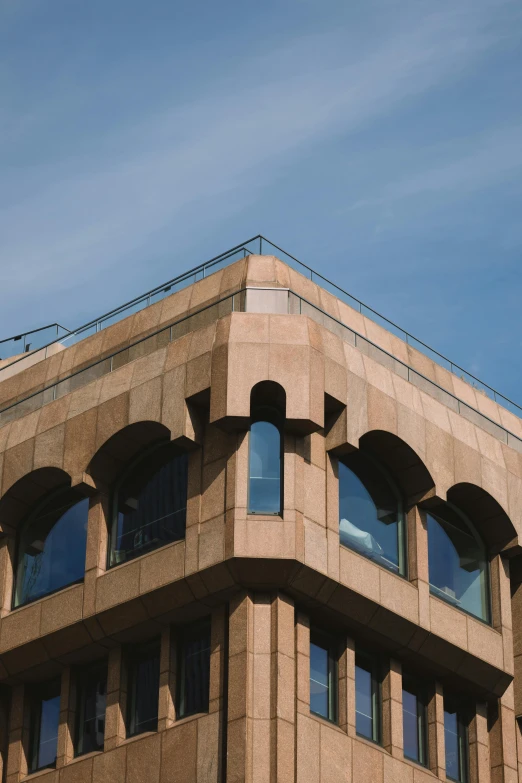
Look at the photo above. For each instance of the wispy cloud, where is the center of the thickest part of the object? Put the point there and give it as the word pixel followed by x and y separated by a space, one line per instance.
pixel 202 160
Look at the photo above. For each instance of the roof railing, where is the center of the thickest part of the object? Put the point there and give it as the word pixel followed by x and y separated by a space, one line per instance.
pixel 30 341
pixel 262 245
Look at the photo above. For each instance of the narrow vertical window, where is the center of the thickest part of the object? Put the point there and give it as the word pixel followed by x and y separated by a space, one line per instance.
pixel 45 717
pixel 456 743
pixel 367 697
pixel 92 696
pixel 323 678
pixel 194 670
pixel 264 496
pixel 414 720
pixel 143 689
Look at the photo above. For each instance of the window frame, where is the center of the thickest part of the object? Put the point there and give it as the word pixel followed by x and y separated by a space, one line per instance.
pixel 98 666
pixel 371 664
pixel 462 740
pixel 134 656
pixel 413 686
pixel 43 502
pixel 271 415
pixel 437 593
pixel 188 633
pixel 116 488
pixel 326 642
pixel 35 723
pixel 402 527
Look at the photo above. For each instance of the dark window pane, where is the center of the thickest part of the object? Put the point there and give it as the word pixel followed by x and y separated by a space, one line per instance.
pixel 457 564
pixel 370 516
pixel 265 469
pixel 92 696
pixel 455 740
pixel 319 681
pixel 195 671
pixel 150 505
pixel 44 725
pixel 367 717
pixel 410 718
pixel 143 692
pixel 52 547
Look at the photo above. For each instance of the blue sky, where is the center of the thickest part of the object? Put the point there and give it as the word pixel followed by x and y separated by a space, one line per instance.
pixel 380 141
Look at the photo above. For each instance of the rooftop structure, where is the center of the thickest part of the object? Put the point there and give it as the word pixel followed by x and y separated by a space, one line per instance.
pixel 249 534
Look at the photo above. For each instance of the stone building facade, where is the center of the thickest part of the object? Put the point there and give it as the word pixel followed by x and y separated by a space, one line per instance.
pixel 331 591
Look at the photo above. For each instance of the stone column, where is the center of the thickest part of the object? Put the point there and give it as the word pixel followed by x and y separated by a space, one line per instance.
pixel 436 747
pixel 116 699
pixel 479 762
pixel 18 736
pixel 282 713
pixel 393 739
pixel 65 749
pixel 503 741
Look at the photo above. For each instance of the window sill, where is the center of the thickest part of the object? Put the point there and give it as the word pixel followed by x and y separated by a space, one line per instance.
pixel 189 718
pixel 448 602
pixel 82 756
pixel 135 737
pixel 151 552
pixel 327 721
pixel 38 773
pixel 44 598
pixel 374 562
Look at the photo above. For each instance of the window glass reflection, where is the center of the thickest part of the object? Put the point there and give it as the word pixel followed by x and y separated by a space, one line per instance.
pixel 52 547
pixel 367 701
pixel 150 505
pixel 144 672
pixel 92 696
pixel 414 721
pixel 323 678
pixel 195 671
pixel 44 725
pixel 265 469
pixel 371 520
pixel 455 741
pixel 458 568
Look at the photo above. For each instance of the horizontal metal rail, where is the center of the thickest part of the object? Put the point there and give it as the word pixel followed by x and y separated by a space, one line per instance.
pixel 261 244
pixel 9 345
pixel 236 302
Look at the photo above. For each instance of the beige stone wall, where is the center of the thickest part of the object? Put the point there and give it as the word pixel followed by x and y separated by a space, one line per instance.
pixel 263 579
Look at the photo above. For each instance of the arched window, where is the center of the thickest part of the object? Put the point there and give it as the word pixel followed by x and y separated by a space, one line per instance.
pixel 265 464
pixel 265 485
pixel 458 568
pixel 149 504
pixel 51 546
pixel 371 519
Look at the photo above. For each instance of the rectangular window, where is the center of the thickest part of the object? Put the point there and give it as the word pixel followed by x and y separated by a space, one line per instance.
pixel 456 743
pixel 414 720
pixel 90 710
pixel 194 670
pixel 45 718
pixel 143 688
pixel 367 697
pixel 323 677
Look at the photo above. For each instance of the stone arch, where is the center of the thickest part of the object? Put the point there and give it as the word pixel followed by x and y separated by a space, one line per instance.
pixel 486 514
pixel 28 491
pixel 268 393
pixel 122 447
pixel 402 462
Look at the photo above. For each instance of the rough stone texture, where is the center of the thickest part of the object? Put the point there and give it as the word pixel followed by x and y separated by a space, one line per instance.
pixel 264 580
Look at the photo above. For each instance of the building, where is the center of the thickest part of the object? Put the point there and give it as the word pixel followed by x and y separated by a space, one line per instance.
pixel 248 534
